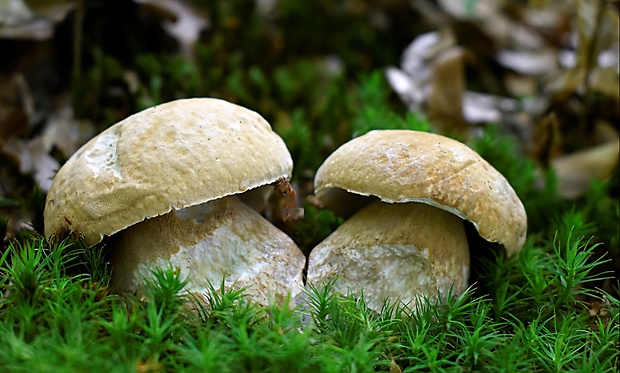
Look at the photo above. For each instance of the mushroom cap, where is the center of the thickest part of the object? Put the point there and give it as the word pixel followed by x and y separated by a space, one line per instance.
pixel 170 156
pixel 399 166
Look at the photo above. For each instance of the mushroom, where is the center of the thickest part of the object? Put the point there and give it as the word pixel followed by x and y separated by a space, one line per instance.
pixel 407 194
pixel 167 184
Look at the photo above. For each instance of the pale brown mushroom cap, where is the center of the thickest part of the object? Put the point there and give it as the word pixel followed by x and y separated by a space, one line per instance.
pixel 410 166
pixel 171 156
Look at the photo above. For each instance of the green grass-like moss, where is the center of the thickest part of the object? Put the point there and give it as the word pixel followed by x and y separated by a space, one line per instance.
pixel 542 310
pixel 56 318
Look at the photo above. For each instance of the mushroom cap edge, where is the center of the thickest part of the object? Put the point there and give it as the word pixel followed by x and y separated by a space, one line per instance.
pixel 170 156
pixel 400 166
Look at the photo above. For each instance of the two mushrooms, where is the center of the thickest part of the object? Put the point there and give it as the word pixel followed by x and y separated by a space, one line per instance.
pixel 173 185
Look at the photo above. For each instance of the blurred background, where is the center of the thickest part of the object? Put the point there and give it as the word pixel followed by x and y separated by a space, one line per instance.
pixel 531 85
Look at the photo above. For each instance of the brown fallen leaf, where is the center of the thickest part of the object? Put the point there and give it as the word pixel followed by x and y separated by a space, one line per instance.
pixel 35 20
pixel 180 20
pixel 33 158
pixel 445 102
pixel 576 171
pixel 413 80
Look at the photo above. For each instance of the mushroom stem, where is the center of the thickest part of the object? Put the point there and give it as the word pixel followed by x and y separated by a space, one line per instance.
pixel 220 239
pixel 394 251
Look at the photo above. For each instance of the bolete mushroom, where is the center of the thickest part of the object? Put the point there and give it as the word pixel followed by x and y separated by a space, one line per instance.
pixel 166 185
pixel 409 194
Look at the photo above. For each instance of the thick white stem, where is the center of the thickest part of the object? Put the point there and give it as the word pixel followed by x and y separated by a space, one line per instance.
pixel 394 251
pixel 221 239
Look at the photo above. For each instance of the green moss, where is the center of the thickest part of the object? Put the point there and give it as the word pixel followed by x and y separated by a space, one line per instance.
pixel 551 307
pixel 56 317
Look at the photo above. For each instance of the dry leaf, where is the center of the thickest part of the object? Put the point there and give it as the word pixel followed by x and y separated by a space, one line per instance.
pixel 493 22
pixel 412 81
pixel 19 20
pixel 16 106
pixel 33 158
pixel 395 368
pixel 576 171
pixel 14 12
pixel 529 62
pixel 445 102
pixel 483 108
pixel 65 132
pixel 182 22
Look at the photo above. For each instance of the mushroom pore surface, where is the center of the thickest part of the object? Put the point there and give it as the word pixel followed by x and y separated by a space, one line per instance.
pixel 395 251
